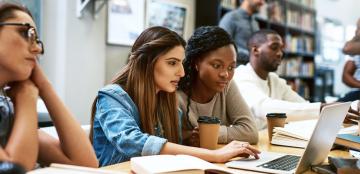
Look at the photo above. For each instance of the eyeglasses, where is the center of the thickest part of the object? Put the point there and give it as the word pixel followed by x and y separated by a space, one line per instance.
pixel 29 34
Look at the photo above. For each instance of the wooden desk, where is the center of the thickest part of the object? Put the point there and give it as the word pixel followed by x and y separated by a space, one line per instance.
pixel 263 145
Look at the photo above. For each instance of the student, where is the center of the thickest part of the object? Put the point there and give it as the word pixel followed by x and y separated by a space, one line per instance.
pixel 21 141
pixel 207 88
pixel 351 73
pixel 240 24
pixel 263 90
pixel 137 115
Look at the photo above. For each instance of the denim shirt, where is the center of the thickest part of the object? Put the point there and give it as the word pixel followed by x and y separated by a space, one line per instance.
pixel 6 119
pixel 117 135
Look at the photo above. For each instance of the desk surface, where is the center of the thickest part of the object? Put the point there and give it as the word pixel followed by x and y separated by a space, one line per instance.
pixel 263 145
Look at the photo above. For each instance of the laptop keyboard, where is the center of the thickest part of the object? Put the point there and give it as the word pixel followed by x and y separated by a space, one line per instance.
pixel 287 163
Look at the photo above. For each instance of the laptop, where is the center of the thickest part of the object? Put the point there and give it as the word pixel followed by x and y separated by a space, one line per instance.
pixel 317 149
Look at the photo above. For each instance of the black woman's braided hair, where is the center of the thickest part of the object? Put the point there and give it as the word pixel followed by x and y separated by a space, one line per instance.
pixel 204 40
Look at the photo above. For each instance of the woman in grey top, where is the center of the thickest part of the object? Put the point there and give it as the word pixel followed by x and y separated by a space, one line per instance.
pixel 207 88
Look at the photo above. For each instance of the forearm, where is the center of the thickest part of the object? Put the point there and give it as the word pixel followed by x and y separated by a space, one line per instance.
pixel 22 147
pixel 351 81
pixel 174 149
pixel 240 132
pixel 75 144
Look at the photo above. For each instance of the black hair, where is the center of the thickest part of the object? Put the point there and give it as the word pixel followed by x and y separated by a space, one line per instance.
pixel 204 40
pixel 259 37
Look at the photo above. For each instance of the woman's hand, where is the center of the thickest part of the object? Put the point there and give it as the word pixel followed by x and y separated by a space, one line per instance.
pixel 23 91
pixel 352 117
pixel 39 78
pixel 235 149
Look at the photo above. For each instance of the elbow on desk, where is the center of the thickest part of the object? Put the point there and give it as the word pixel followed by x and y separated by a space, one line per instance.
pixel 254 138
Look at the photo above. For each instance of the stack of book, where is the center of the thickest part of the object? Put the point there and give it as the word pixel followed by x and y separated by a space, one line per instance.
pixel 348 140
pixel 294 134
pixel 297 134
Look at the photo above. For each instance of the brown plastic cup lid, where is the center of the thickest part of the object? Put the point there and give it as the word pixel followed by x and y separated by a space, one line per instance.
pixel 208 120
pixel 276 115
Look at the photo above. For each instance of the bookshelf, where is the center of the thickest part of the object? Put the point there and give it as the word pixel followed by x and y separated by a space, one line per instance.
pixel 294 20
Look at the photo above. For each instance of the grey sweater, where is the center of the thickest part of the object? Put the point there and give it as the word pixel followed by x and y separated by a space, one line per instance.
pixel 237 122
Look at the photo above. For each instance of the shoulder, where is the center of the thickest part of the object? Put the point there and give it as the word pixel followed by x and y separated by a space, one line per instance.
pixel 244 72
pixel 275 79
pixel 231 17
pixel 182 97
pixel 113 95
pixel 242 68
pixel 231 88
pixel 113 88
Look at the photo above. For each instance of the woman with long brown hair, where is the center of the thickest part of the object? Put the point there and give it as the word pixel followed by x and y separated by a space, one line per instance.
pixel 137 114
pixel 21 82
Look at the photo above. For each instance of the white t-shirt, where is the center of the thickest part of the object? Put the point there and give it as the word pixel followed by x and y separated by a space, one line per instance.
pixel 356 60
pixel 272 95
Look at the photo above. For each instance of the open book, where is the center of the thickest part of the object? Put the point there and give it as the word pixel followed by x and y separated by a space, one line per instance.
pixel 70 169
pixel 173 163
pixel 298 133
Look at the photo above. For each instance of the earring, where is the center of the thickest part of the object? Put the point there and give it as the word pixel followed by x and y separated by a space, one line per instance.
pixel 196 68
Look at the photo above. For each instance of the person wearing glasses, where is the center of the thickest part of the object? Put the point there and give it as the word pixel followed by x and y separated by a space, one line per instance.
pixel 207 88
pixel 22 81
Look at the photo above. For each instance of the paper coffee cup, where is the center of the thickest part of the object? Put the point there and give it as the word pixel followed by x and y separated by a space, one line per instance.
pixel 275 120
pixel 208 131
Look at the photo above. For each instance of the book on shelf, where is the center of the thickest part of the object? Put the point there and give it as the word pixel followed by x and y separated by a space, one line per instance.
pixel 64 168
pixel 295 66
pixel 230 4
pixel 348 140
pixel 306 3
pixel 298 133
pixel 263 11
pixel 275 13
pixel 173 164
pixel 299 44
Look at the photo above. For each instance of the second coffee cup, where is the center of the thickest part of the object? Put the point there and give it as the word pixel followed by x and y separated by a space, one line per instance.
pixel 275 120
pixel 208 131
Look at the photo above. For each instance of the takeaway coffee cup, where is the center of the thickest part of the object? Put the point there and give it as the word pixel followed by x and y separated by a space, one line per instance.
pixel 275 120
pixel 208 131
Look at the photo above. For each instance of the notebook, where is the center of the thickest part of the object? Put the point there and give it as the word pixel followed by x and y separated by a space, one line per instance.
pixel 317 149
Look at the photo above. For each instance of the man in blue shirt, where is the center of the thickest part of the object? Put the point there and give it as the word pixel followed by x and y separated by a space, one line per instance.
pixel 240 24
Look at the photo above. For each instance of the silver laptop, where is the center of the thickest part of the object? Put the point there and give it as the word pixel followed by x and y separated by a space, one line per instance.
pixel 317 149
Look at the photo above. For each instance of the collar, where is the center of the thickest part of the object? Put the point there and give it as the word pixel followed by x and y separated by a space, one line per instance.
pixel 248 65
pixel 243 12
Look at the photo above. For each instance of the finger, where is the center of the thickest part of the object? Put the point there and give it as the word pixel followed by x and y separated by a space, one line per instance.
pixel 352 116
pixel 353 111
pixel 246 151
pixel 244 155
pixel 250 147
pixel 243 142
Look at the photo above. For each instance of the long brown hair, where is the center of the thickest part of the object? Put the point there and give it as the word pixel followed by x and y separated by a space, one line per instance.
pixel 137 79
